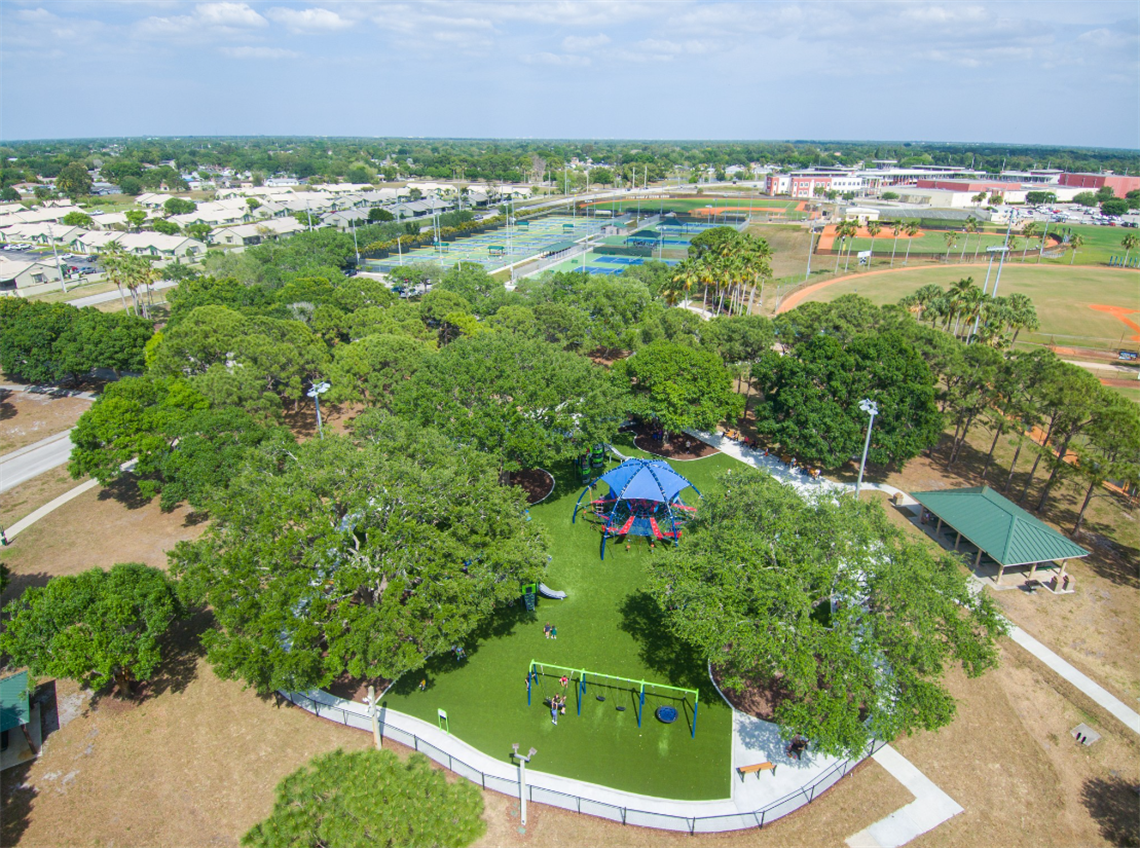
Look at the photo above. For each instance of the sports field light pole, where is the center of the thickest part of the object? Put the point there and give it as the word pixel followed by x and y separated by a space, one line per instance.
pixel 315 393
pixel 523 760
pixel 811 242
pixel 868 406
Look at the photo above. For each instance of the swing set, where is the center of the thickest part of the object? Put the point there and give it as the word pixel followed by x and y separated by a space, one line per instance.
pixel 579 678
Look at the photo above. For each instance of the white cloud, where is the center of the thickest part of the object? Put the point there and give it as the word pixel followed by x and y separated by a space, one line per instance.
pixel 581 44
pixel 206 18
pixel 248 52
pixel 557 59
pixel 308 20
pixel 35 15
pixel 228 15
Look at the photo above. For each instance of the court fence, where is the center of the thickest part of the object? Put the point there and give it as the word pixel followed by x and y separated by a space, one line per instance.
pixel 355 715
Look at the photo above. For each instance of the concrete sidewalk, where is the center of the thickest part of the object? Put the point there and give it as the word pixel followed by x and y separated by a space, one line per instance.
pixel 930 807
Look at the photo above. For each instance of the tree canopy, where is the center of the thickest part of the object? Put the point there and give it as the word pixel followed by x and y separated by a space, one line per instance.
pixel 94 627
pixel 811 402
pixel 367 799
pixel 680 386
pixel 521 400
pixel 824 600
pixel 386 549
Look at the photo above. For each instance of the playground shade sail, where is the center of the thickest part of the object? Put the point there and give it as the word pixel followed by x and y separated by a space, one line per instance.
pixel 639 479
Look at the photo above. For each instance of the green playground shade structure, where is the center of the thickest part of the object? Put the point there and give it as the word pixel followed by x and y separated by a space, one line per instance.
pixel 581 678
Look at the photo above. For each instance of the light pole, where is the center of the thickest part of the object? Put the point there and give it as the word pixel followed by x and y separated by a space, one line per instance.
pixel 315 393
pixel 811 247
pixel 871 409
pixel 523 760
pixel 373 708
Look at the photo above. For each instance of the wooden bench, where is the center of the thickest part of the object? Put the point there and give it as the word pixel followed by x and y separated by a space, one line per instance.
pixel 759 767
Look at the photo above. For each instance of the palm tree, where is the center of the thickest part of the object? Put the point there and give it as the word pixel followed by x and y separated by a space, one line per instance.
pixel 874 228
pixel 912 230
pixel 843 230
pixel 1029 231
pixel 971 227
pixel 113 259
pixel 897 227
pixel 1023 315
pixel 1076 240
pixel 957 295
pixel 951 239
pixel 1130 242
pixel 852 231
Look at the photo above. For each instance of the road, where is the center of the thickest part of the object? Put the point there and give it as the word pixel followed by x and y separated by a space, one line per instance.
pixel 93 299
pixel 31 461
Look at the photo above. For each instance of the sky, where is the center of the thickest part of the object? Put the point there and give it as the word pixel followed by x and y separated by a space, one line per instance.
pixel 1043 72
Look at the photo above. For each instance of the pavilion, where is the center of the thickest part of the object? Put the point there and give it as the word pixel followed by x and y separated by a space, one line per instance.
pixel 996 526
pixel 18 714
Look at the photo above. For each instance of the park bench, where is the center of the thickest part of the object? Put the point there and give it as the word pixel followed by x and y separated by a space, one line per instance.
pixel 756 769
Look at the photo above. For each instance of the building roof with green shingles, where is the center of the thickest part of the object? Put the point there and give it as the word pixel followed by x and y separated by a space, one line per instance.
pixel 998 526
pixel 14 707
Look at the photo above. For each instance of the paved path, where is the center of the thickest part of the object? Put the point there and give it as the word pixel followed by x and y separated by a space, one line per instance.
pixel 1082 681
pixel 33 460
pixel 50 507
pixel 54 391
pixel 930 807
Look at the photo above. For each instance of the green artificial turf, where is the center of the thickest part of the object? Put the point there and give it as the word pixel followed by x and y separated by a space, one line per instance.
pixel 608 624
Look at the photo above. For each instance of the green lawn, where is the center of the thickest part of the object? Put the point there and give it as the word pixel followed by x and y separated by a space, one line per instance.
pixel 606 625
pixel 1063 296
pixel 927 243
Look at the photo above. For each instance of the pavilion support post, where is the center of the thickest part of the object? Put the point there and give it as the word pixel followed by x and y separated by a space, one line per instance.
pixel 938 529
pixel 1001 571
pixel 978 558
pixel 957 541
pixel 1033 572
pixel 1060 576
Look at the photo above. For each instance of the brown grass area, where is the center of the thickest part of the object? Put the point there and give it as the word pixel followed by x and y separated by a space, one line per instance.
pixel 32 494
pixel 196 765
pixel 99 528
pixel 1009 760
pixel 1094 628
pixel 857 801
pixel 27 417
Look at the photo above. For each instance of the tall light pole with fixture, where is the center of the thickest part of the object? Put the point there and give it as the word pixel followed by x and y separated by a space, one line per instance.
pixel 523 760
pixel 871 409
pixel 315 393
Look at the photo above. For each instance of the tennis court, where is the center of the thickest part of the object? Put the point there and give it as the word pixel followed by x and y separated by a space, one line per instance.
pixel 496 249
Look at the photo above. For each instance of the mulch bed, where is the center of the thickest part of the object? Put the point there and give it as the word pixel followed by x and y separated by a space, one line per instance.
pixel 355 688
pixel 675 449
pixel 537 483
pixel 759 699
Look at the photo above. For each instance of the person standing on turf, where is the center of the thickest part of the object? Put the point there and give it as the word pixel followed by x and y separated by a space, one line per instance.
pixel 553 632
pixel 553 711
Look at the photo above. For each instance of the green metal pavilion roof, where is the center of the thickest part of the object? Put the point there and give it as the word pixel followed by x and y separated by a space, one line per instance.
pixel 14 707
pixel 559 247
pixel 999 527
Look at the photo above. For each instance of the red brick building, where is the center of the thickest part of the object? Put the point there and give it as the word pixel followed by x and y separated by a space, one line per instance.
pixel 1119 184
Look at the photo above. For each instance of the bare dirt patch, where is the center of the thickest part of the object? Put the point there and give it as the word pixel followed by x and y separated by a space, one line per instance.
pixel 27 417
pixel 99 528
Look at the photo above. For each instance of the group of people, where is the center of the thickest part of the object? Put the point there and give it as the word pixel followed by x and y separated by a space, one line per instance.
pixel 550 631
pixel 557 705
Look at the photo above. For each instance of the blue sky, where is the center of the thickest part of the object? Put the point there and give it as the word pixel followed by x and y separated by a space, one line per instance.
pixel 1019 72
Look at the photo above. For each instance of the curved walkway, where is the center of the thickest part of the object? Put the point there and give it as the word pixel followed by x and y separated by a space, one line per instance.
pixel 754 802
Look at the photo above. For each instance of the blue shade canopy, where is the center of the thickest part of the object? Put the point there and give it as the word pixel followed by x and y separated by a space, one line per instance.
pixel 644 479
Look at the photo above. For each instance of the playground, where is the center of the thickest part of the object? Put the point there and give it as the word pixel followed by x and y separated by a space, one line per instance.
pixel 1077 306
pixel 497 249
pixel 612 660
